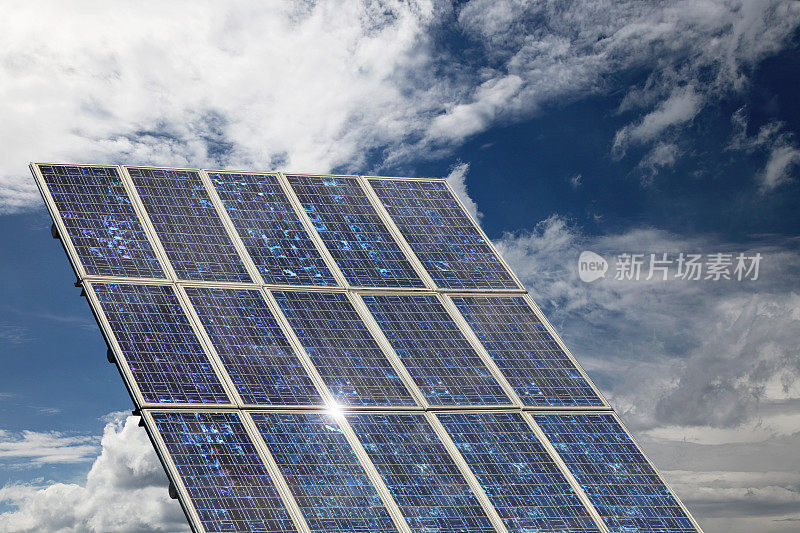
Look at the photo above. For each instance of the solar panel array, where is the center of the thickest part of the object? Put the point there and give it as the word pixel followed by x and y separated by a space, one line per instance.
pixel 342 353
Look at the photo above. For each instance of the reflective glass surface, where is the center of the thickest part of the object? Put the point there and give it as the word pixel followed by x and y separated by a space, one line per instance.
pixel 437 355
pixel 108 236
pixel 163 353
pixel 419 473
pixel 324 474
pixel 270 229
pixel 343 351
pixel 534 364
pixel 251 345
pixel 225 477
pixel 196 242
pixel 520 478
pixel 353 232
pixel 445 240
pixel 616 477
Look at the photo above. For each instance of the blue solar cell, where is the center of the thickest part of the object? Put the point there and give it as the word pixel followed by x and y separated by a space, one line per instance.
pixel 343 351
pixel 419 473
pixel 102 225
pixel 270 229
pixel 251 345
pixel 534 364
pixel 520 478
pixel 164 355
pixel 225 477
pixel 353 232
pixel 616 477
pixel 442 236
pixel 437 355
pixel 188 226
pixel 327 480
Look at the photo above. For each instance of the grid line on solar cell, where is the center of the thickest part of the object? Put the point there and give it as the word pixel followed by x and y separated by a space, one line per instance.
pixel 271 231
pixel 619 481
pixel 523 483
pixel 534 364
pixel 420 474
pixel 353 232
pixel 162 351
pixel 443 364
pixel 342 349
pixel 186 221
pixel 100 220
pixel 252 347
pixel 323 473
pixel 450 247
pixel 225 477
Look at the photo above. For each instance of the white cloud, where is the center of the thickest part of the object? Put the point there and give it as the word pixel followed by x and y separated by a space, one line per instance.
pixel 457 180
pixel 777 171
pixel 37 448
pixel 705 373
pixel 125 491
pixel 319 87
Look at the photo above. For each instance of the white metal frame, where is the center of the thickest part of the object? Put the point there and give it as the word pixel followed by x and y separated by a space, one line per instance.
pixel 354 296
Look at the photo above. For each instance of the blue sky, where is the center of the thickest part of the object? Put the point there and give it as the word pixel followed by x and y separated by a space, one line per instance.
pixel 617 128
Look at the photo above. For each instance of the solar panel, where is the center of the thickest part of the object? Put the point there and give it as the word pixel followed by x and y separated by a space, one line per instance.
pixel 380 405
pixel 162 351
pixel 539 371
pixel 616 477
pixel 342 349
pixel 353 232
pixel 419 473
pixel 190 230
pixel 225 478
pixel 520 478
pixel 101 223
pixel 251 345
pixel 441 234
pixel 324 474
pixel 443 364
pixel 270 229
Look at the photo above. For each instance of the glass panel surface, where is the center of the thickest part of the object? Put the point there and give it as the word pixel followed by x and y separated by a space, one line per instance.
pixel 196 242
pixel 353 232
pixel 227 482
pixel 613 473
pixel 163 353
pixel 102 225
pixel 442 236
pixel 270 229
pixel 324 474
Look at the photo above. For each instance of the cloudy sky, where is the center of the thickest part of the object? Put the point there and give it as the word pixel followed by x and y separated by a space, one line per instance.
pixel 615 127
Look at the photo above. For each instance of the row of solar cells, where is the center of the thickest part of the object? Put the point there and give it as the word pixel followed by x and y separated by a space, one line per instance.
pixel 297 348
pixel 254 471
pixel 271 220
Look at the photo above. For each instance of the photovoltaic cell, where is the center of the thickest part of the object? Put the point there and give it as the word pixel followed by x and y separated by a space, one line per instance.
pixel 327 480
pixel 353 232
pixel 188 226
pixel 102 225
pixel 343 351
pixel 270 229
pixel 419 473
pixel 437 355
pixel 616 477
pixel 163 353
pixel 225 477
pixel 251 345
pixel 442 236
pixel 534 364
pixel 520 478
